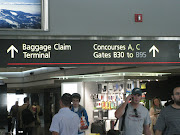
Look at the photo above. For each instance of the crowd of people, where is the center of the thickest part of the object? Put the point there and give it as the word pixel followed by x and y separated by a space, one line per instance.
pixel 138 119
pixel 24 118
pixel 158 121
pixel 72 118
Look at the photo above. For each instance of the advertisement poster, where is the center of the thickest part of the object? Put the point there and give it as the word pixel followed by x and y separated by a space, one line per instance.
pixel 20 14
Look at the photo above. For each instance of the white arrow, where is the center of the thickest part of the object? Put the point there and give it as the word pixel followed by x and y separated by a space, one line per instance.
pixel 12 49
pixel 153 48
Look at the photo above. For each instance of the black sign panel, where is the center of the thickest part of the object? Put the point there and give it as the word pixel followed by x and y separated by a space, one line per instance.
pixel 88 52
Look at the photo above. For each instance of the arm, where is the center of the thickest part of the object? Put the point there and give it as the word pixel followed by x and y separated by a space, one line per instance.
pixel 160 125
pixel 147 130
pixel 11 111
pixel 158 132
pixel 120 111
pixel 86 117
pixel 151 111
pixel 55 125
pixel 55 133
pixel 146 125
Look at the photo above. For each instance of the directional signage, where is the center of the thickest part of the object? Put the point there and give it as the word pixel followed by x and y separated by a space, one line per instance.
pixel 154 50
pixel 12 49
pixel 88 52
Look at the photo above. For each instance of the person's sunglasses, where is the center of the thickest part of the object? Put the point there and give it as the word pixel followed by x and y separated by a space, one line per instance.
pixel 135 111
pixel 177 93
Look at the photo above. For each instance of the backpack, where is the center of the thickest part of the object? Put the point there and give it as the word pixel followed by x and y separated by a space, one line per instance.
pixel 98 127
pixel 113 132
pixel 27 116
pixel 41 112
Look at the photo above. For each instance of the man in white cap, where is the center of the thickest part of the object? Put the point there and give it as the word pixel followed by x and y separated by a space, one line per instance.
pixel 137 117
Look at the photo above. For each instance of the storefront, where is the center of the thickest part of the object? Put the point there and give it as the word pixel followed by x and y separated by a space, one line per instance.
pixel 103 93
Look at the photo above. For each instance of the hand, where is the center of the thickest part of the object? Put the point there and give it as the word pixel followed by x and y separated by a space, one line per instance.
pixel 83 127
pixel 128 98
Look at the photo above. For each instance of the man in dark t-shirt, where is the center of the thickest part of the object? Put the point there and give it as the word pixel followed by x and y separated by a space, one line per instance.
pixel 168 122
pixel 14 114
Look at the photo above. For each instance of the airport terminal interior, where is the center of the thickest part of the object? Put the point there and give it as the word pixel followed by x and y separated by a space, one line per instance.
pixel 100 49
pixel 102 88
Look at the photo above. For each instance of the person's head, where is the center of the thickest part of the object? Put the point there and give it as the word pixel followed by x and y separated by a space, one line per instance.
pixel 26 100
pixel 156 102
pixel 65 100
pixel 16 103
pixel 35 103
pixel 76 98
pixel 136 95
pixel 176 95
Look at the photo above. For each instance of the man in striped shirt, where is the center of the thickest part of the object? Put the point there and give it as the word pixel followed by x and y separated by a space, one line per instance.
pixel 168 122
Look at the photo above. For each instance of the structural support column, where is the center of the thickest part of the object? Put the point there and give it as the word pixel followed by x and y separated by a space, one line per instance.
pixel 3 104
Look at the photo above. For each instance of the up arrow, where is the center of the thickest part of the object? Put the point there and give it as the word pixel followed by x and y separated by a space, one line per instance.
pixel 12 49
pixel 153 48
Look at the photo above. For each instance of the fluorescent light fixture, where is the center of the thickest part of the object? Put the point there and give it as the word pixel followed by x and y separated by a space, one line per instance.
pixel 108 75
pixel 2 78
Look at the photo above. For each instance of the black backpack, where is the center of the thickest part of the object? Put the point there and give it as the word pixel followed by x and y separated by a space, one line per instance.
pixel 27 116
pixel 113 132
pixel 98 127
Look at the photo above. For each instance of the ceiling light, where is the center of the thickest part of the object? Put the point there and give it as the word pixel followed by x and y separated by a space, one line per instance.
pixel 108 75
pixel 1 78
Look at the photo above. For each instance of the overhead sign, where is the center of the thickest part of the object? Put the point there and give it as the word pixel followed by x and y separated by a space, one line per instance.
pixel 88 52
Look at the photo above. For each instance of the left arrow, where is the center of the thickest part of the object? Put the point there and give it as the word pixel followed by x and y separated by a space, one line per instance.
pixel 12 49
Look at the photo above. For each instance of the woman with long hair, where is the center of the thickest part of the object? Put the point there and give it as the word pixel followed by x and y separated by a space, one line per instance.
pixel 155 109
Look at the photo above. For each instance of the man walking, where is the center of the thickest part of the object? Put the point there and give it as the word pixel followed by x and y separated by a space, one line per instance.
pixel 27 127
pixel 137 117
pixel 14 114
pixel 65 122
pixel 168 122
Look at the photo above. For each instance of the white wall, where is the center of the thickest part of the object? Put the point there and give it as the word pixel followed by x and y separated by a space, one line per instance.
pixel 85 89
pixel 12 98
pixel 73 87
pixel 90 88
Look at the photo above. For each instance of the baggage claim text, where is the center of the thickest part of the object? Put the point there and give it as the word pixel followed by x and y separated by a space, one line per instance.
pixel 43 51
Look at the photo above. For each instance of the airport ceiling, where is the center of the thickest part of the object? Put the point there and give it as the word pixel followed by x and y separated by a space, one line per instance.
pixel 44 74
pixel 174 70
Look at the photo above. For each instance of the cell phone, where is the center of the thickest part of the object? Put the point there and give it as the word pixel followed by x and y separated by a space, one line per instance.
pixel 131 98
